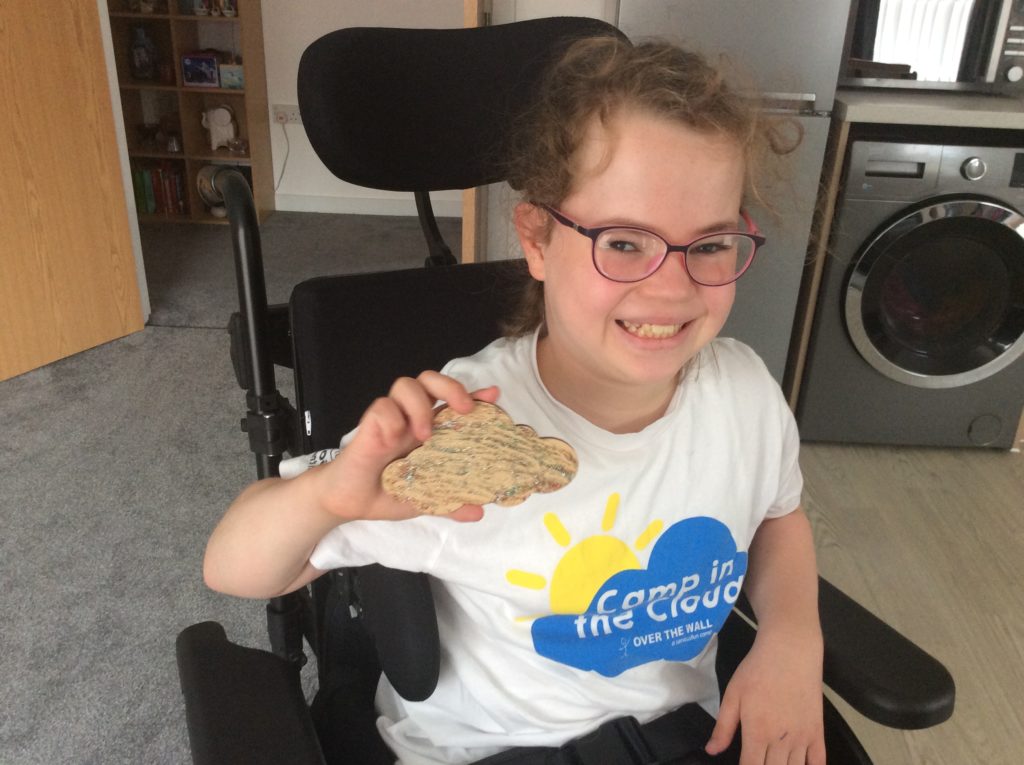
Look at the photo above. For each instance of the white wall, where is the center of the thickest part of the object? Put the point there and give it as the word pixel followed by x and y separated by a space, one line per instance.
pixel 288 28
pixel 504 11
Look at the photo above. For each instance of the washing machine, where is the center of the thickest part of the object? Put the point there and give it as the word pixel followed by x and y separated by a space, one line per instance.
pixel 918 336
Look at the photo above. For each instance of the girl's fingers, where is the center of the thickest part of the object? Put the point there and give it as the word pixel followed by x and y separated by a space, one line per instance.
pixel 816 752
pixel 415 398
pixel 449 390
pixel 467 514
pixel 443 388
pixel 725 726
pixel 384 428
pixel 418 397
pixel 393 425
pixel 489 394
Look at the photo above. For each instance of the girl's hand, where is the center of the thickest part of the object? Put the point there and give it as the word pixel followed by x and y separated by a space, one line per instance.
pixel 776 694
pixel 390 428
pixel 261 547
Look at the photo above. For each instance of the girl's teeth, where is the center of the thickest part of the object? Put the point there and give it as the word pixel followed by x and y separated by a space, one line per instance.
pixel 652 330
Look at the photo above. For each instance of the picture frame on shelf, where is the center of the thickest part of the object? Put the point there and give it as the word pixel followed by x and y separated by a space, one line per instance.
pixel 200 70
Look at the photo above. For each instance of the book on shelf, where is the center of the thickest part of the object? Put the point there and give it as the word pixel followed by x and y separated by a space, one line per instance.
pixel 159 189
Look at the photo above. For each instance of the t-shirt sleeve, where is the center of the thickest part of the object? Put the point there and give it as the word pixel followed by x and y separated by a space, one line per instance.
pixel 791 480
pixel 771 428
pixel 411 545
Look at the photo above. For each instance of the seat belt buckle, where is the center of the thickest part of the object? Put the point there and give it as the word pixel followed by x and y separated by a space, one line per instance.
pixel 616 742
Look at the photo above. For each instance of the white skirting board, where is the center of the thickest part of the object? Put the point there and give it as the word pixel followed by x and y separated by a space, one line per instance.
pixel 446 204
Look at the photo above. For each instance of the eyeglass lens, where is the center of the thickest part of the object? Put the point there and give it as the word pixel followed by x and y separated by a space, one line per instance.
pixel 626 254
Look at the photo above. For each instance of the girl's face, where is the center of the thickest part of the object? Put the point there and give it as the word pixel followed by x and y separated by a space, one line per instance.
pixel 607 339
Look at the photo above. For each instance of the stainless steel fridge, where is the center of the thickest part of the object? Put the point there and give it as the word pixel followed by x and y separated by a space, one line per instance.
pixel 792 51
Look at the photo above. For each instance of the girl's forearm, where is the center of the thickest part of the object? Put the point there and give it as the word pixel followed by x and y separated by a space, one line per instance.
pixel 782 579
pixel 261 546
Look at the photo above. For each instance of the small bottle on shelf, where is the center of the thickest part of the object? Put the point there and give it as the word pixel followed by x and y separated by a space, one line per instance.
pixel 143 58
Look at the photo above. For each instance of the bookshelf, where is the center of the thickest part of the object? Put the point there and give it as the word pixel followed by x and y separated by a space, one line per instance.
pixel 164 101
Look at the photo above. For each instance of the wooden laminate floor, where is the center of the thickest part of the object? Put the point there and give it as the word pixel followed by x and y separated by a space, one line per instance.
pixel 932 540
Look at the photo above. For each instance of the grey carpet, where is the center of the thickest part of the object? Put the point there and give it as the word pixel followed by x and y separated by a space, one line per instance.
pixel 119 461
pixel 191 271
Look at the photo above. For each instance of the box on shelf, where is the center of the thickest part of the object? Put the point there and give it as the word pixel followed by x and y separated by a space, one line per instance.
pixel 232 76
pixel 200 70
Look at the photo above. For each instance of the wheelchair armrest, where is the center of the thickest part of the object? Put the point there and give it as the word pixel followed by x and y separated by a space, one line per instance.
pixel 399 612
pixel 880 673
pixel 242 704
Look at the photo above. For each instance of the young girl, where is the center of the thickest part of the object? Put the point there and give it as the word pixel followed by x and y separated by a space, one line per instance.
pixel 602 599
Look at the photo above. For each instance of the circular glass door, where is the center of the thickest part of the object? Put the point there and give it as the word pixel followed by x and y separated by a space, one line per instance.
pixel 936 299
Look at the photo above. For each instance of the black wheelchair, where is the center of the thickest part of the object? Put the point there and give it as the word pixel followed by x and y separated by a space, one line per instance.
pixel 420 111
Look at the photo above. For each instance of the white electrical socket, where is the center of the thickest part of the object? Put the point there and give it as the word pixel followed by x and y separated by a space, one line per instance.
pixel 285 113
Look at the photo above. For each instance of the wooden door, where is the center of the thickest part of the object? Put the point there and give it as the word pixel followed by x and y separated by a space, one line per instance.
pixel 67 271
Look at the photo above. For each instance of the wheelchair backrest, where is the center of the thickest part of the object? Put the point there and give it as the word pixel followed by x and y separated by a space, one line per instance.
pixel 354 335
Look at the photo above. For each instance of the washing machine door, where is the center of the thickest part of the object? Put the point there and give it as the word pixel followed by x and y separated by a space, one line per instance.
pixel 936 299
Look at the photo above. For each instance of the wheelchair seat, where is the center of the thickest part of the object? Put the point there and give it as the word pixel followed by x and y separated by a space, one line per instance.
pixel 428 95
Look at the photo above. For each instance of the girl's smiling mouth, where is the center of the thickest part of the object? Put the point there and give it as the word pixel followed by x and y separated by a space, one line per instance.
pixel 654 331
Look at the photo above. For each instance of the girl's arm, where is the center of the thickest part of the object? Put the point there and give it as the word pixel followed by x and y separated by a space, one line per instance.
pixel 776 692
pixel 261 546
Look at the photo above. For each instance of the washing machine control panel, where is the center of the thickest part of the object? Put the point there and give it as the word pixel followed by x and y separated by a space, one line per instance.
pixel 910 172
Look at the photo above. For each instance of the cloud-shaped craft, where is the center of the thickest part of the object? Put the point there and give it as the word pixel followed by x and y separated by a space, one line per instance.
pixel 479 458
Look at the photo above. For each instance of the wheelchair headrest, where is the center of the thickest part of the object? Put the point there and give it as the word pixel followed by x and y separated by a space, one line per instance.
pixel 425 109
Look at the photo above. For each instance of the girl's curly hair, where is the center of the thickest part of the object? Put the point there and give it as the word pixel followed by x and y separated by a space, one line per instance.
pixel 596 78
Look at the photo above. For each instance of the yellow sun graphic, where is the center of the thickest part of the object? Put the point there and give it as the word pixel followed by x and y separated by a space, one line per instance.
pixel 587 565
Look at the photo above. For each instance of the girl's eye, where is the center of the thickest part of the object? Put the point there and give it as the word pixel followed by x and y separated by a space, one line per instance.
pixel 710 247
pixel 624 241
pixel 621 245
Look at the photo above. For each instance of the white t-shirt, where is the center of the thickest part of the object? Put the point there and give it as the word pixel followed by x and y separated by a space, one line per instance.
pixel 603 598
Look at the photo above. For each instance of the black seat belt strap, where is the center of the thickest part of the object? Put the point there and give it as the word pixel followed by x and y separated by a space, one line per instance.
pixel 675 738
pixel 616 741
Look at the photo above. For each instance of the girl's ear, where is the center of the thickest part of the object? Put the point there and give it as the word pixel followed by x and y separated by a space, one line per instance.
pixel 532 227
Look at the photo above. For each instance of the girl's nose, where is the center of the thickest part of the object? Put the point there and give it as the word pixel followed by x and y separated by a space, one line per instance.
pixel 673 276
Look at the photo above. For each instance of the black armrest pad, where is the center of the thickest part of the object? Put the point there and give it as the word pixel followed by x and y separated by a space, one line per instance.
pixel 879 672
pixel 242 704
pixel 399 612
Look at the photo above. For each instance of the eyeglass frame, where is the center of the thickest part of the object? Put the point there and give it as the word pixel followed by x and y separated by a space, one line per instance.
pixel 593 233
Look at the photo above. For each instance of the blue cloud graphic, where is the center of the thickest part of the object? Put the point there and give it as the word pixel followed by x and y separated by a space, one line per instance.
pixel 668 611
